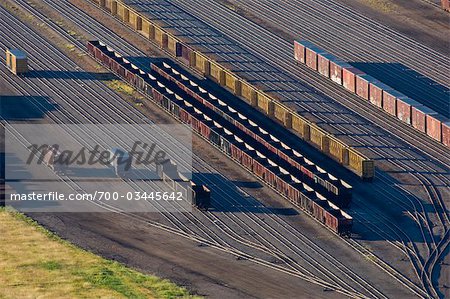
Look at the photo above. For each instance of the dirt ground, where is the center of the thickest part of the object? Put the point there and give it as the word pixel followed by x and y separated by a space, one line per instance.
pixel 417 19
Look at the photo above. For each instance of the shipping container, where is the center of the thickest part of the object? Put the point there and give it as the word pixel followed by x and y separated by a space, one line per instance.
pixel 404 109
pixel 349 77
pixel 434 126
pixel 376 93
pixel 362 85
pixel 419 117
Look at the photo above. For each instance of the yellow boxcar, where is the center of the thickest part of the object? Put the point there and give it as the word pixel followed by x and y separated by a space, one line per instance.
pixel 132 19
pixel 172 45
pixel 338 150
pixel 146 29
pixel 160 37
pixel 230 81
pixel 319 138
pixel 363 166
pixel 217 73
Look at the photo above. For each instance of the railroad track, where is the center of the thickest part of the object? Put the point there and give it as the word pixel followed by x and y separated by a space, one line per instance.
pixel 309 96
pixel 393 147
pixel 370 40
pixel 277 52
pixel 400 151
pixel 47 84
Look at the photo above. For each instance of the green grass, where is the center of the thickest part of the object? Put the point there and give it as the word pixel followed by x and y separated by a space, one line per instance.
pixel 382 5
pixel 37 263
pixel 120 86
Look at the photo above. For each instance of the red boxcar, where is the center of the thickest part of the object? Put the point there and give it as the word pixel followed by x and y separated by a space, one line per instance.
pixel 323 63
pixel 404 109
pixel 419 117
pixel 336 67
pixel 446 133
pixel 390 101
pixel 311 55
pixel 376 93
pixel 434 126
pixel 282 182
pixel 349 77
pixel 91 48
pixel 299 51
pixel 445 5
pixel 362 85
pixel 271 175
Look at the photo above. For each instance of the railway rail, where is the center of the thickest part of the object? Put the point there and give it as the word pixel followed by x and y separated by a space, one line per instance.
pixel 46 62
pixel 374 114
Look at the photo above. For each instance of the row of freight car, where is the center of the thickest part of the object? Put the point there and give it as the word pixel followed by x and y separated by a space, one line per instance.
pixel 335 189
pixel 338 191
pixel 230 139
pixel 347 156
pixel 370 89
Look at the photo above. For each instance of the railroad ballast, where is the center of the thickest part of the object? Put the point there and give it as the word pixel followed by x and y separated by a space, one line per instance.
pixel 379 94
pixel 226 137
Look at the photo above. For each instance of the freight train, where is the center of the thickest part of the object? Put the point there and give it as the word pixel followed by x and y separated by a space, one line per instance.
pixel 310 132
pixel 234 143
pixel 338 191
pixel 370 89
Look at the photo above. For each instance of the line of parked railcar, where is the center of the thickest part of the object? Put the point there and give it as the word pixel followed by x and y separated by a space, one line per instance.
pixel 199 195
pixel 310 132
pixel 335 189
pixel 234 143
pixel 370 89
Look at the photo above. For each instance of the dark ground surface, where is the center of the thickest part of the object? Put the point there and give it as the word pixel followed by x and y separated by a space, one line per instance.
pixel 417 19
pixel 203 270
